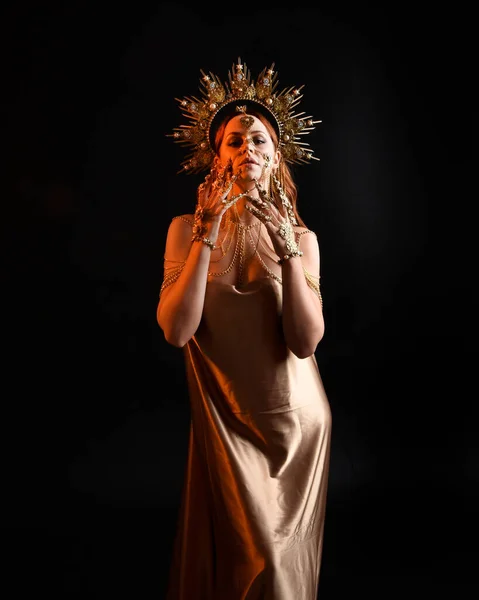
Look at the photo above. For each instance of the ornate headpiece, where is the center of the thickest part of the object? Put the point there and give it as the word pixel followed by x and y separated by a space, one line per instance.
pixel 237 94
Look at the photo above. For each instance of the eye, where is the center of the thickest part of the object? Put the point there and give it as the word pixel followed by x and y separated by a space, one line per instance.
pixel 237 142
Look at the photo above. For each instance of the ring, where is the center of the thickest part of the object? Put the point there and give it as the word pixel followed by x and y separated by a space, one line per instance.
pixel 285 230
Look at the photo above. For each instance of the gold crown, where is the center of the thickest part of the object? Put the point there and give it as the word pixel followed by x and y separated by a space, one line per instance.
pixel 198 135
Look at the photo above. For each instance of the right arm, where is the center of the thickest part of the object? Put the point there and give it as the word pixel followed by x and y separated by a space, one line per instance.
pixel 180 306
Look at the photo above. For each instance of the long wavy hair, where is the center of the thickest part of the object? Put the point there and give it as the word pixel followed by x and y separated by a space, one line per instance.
pixel 283 173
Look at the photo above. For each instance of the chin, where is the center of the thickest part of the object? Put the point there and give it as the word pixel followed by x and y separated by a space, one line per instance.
pixel 249 174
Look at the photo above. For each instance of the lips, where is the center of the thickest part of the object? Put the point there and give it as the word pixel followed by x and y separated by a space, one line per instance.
pixel 249 162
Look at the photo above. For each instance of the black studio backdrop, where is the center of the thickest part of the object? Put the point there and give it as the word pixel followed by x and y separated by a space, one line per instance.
pixel 95 411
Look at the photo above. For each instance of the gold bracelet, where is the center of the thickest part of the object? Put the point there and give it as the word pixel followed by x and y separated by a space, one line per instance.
pixel 290 255
pixel 204 240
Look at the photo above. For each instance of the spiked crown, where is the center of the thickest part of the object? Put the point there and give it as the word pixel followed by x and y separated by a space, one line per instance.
pixel 204 114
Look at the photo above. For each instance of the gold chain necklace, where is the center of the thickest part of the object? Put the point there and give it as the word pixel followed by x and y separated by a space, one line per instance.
pixel 230 266
pixel 221 245
pixel 271 273
pixel 254 244
pixel 239 232
pixel 242 254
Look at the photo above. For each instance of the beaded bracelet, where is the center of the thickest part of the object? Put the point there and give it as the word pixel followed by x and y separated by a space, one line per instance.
pixel 290 255
pixel 205 240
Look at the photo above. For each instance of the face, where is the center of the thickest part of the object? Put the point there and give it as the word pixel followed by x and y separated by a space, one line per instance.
pixel 248 145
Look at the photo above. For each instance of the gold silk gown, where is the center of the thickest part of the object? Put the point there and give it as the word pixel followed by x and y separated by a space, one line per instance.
pixel 252 516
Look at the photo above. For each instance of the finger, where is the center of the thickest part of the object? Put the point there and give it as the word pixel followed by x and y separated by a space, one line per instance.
pixel 203 184
pixel 218 182
pixel 259 202
pixel 264 218
pixel 261 191
pixel 218 177
pixel 228 202
pixel 201 190
pixel 227 190
pixel 229 185
pixel 225 172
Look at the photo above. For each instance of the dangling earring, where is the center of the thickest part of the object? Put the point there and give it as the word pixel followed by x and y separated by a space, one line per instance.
pixel 271 187
pixel 266 181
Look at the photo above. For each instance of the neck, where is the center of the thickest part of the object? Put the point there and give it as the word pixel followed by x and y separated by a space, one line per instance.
pixel 245 186
pixel 239 212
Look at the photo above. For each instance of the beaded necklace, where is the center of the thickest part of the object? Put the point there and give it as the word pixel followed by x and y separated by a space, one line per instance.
pixel 239 231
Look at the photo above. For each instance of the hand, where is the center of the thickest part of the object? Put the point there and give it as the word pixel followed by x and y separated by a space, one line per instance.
pixel 276 221
pixel 213 193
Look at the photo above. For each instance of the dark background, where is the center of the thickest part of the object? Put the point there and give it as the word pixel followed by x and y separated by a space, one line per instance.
pixel 94 405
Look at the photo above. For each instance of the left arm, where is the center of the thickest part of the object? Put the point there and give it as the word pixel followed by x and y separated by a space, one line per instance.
pixel 303 320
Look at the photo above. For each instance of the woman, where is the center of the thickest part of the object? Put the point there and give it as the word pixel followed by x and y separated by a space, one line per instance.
pixel 241 297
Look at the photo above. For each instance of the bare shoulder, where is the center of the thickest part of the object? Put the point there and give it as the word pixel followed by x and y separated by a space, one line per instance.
pixel 181 221
pixel 180 225
pixel 306 238
pixel 301 231
pixel 179 237
pixel 308 243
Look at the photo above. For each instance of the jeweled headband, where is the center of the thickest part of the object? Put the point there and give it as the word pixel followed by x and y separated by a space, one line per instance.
pixel 239 92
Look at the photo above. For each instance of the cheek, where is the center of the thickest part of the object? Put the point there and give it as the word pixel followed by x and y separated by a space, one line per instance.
pixel 271 150
pixel 225 151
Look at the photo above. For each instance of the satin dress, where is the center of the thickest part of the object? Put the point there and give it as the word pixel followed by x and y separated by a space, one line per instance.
pixel 252 516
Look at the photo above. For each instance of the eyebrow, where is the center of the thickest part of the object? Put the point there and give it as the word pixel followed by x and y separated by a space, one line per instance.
pixel 249 132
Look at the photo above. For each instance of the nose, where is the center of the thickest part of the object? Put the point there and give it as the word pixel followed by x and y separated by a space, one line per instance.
pixel 247 145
